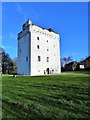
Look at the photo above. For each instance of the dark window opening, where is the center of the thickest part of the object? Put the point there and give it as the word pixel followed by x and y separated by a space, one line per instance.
pixel 39 58
pixel 37 38
pixel 38 46
pixel 20 50
pixel 47 59
pixel 48 71
pixel 47 40
pixel 26 58
pixel 47 49
pixel 52 70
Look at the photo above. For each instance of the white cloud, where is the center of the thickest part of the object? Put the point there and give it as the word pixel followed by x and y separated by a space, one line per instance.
pixel 26 13
pixel 19 9
pixel 9 39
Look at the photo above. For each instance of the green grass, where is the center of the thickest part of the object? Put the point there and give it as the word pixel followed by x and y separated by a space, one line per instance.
pixel 46 97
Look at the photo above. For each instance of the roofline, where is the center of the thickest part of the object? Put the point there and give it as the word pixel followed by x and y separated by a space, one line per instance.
pixel 45 29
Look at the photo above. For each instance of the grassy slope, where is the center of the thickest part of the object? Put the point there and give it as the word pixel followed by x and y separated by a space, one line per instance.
pixel 61 96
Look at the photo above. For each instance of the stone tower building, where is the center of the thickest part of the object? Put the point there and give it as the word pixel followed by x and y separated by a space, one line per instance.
pixel 38 50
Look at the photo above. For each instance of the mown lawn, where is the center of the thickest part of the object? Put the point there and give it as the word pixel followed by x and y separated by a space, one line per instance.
pixel 46 97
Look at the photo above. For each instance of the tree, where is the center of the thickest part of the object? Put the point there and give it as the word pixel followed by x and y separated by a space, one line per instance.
pixel 15 65
pixel 66 60
pixel 0 61
pixel 6 62
pixel 69 59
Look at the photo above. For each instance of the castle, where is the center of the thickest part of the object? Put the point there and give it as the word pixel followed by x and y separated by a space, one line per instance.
pixel 38 50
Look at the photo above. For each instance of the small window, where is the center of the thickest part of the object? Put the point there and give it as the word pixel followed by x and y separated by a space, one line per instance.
pixel 37 38
pixel 38 46
pixel 39 58
pixel 47 49
pixel 26 58
pixel 47 59
pixel 47 40
pixel 20 50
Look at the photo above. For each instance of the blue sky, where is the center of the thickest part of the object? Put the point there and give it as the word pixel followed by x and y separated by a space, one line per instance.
pixel 70 20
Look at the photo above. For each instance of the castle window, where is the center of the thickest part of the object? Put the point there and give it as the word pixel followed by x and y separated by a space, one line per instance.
pixel 47 49
pixel 26 58
pixel 20 50
pixel 37 38
pixel 47 59
pixel 39 58
pixel 47 40
pixel 38 46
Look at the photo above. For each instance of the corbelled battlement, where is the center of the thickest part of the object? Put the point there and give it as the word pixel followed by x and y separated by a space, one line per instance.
pixel 28 26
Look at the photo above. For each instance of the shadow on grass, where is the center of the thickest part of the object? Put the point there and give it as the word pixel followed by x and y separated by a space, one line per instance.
pixel 32 112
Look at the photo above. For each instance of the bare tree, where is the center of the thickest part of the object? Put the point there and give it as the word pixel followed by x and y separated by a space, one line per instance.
pixel 66 60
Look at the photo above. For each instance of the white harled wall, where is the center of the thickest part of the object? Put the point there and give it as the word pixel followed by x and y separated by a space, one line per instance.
pixel 23 52
pixel 53 53
pixel 28 42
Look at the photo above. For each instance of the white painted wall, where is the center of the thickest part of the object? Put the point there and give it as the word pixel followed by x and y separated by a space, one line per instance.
pixel 81 66
pixel 53 53
pixel 28 45
pixel 23 52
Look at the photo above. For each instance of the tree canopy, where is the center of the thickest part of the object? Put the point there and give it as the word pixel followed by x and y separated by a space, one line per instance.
pixel 7 64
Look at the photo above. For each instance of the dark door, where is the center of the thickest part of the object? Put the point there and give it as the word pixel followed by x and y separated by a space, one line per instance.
pixel 47 70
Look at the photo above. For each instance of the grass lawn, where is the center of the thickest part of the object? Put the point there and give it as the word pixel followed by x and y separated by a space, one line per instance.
pixel 46 97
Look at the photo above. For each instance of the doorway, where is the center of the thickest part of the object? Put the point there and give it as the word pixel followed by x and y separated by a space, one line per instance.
pixel 47 70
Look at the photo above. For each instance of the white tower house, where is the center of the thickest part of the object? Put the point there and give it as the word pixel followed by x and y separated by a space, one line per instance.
pixel 38 50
